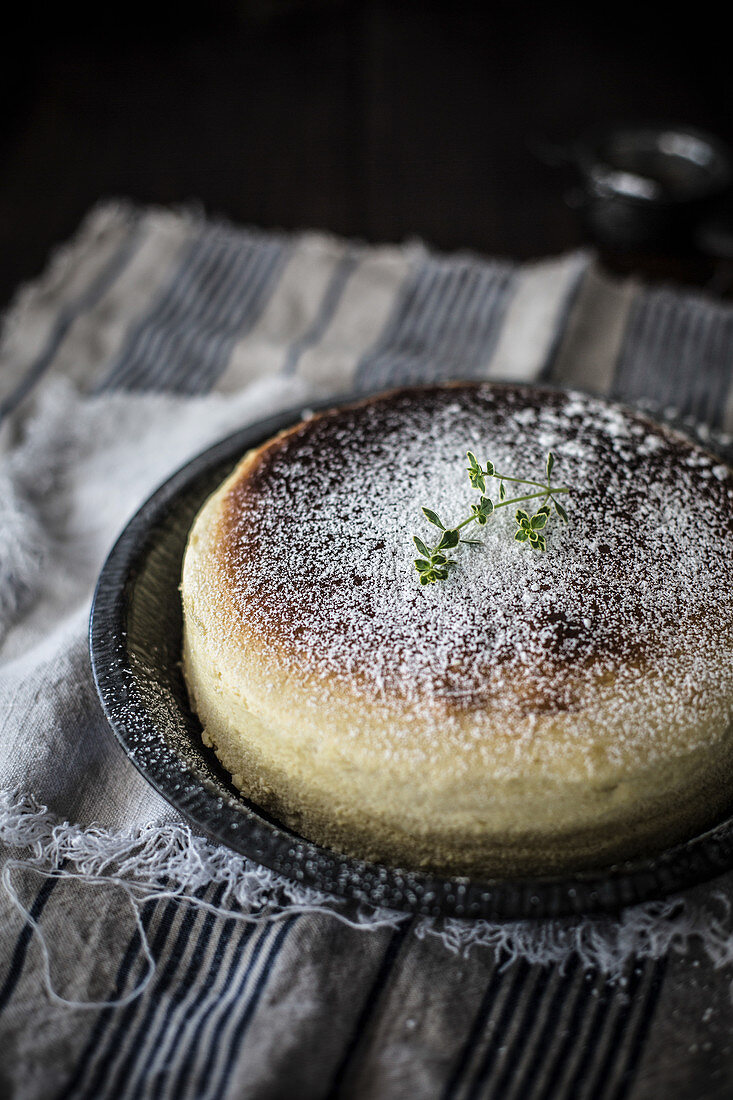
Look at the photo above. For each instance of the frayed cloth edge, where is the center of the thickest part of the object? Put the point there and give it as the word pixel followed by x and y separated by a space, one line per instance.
pixel 171 861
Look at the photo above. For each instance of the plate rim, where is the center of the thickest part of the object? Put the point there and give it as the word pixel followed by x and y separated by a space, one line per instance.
pixel 424 893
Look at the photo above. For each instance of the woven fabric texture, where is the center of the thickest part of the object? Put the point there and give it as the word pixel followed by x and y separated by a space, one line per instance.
pixel 136 959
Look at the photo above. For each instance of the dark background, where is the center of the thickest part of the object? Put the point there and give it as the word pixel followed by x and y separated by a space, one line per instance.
pixel 377 120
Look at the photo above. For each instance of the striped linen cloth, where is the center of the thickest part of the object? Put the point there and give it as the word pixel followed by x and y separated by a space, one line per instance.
pixel 151 335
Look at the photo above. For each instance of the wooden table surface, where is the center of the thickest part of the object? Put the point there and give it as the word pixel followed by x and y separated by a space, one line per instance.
pixel 376 120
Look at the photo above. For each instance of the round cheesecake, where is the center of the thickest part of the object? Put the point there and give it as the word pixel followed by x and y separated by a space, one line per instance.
pixel 533 712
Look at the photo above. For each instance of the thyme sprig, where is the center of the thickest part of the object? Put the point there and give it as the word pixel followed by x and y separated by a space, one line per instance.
pixel 434 564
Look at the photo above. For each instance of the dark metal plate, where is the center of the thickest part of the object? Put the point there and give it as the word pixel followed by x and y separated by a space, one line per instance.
pixel 135 640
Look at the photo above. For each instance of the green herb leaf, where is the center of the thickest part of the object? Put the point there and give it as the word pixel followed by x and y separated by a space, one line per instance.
pixel 560 511
pixel 475 474
pixel 550 463
pixel 421 547
pixel 538 521
pixel 521 535
pixel 433 517
pixel 449 540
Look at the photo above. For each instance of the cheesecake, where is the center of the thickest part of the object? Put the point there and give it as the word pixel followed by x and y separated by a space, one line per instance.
pixel 530 711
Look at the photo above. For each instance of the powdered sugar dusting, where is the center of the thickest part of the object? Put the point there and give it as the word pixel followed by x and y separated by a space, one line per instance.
pixel 319 553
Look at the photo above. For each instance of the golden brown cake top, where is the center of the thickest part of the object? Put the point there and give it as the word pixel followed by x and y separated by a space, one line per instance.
pixel 314 553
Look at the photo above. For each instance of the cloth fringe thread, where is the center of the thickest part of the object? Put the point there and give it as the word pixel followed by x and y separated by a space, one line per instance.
pixel 170 861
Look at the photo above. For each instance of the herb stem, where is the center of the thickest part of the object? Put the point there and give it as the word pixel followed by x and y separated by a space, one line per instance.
pixel 547 492
pixel 529 496
pixel 521 480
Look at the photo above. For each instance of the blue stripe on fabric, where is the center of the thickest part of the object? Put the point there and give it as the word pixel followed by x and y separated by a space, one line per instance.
pixel 237 308
pixel 485 308
pixel 126 1071
pixel 230 997
pixel 400 342
pixel 329 303
pixel 552 1074
pixel 677 352
pixel 218 293
pixel 117 1035
pixel 197 1022
pixel 544 1041
pixel 155 1066
pixel 496 1038
pixel 167 346
pixel 445 324
pixel 106 1016
pixel 402 355
pixel 179 293
pixel 87 300
pixel 599 1012
pixel 235 1041
pixel 174 1037
pixel 596 1083
pixel 23 942
pixel 522 1036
